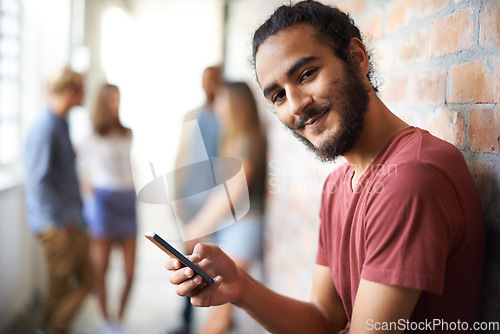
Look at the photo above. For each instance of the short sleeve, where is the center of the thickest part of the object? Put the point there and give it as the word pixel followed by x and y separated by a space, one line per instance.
pixel 411 220
pixel 325 229
pixel 321 255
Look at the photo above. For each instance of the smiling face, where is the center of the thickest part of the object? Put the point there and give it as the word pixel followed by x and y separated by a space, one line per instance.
pixel 321 98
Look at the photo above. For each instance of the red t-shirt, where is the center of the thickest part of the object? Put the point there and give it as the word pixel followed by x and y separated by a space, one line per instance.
pixel 414 220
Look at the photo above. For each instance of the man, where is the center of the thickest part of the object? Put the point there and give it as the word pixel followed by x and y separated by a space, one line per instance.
pixel 189 145
pixel 188 152
pixel 402 231
pixel 54 205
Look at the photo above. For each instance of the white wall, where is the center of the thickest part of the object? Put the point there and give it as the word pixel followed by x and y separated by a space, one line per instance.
pixel 21 260
pixel 155 51
pixel 45 47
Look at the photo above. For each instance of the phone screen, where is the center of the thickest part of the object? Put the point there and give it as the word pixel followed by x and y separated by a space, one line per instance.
pixel 172 252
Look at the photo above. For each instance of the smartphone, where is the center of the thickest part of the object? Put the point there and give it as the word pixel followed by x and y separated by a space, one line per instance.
pixel 172 252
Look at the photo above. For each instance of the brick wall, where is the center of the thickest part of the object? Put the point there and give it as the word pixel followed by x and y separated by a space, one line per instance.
pixel 439 61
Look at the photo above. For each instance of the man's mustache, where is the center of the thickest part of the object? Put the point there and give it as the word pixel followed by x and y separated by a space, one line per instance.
pixel 311 112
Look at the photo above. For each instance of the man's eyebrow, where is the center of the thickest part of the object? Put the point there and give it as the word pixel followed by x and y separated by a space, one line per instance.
pixel 291 71
pixel 269 89
pixel 299 63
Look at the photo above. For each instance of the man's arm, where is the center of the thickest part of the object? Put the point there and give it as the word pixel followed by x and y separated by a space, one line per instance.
pixel 39 179
pixel 277 313
pixel 280 314
pixel 379 304
pixel 184 149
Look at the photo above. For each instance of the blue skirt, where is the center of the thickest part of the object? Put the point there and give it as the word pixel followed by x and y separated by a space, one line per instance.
pixel 111 214
pixel 243 239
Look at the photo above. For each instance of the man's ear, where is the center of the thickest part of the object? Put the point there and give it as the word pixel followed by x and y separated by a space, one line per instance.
pixel 358 54
pixel 70 91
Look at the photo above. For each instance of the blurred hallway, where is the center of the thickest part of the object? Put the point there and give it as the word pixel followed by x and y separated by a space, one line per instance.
pixel 155 51
pixel 153 304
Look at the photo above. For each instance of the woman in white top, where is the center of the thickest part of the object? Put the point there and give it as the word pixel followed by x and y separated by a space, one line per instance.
pixel 110 212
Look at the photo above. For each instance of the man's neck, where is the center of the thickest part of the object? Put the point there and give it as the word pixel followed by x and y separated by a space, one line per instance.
pixel 380 126
pixel 59 107
pixel 209 105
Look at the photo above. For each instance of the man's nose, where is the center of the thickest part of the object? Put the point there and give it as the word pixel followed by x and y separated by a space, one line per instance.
pixel 298 100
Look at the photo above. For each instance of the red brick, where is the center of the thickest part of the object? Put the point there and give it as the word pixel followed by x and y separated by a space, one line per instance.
pixel 496 78
pixel 474 82
pixel 428 87
pixel 484 130
pixel 394 89
pixel 451 33
pixel 354 7
pixel 489 25
pixel 414 47
pixel 358 6
pixel 345 5
pixel 447 124
pixel 399 14
pixel 426 8
pixel 371 25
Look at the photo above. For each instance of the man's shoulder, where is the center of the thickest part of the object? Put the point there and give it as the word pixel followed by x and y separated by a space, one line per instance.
pixel 336 177
pixel 339 171
pixel 44 127
pixel 423 163
pixel 419 147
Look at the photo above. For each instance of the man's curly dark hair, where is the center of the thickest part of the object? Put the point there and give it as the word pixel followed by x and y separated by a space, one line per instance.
pixel 332 26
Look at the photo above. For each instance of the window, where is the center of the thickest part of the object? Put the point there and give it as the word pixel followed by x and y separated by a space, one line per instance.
pixel 10 65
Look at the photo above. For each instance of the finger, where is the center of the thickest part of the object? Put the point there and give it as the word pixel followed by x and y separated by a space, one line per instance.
pixel 196 255
pixel 202 251
pixel 172 264
pixel 203 297
pixel 188 288
pixel 181 275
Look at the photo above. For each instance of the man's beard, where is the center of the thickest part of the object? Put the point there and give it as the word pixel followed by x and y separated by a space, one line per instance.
pixel 351 102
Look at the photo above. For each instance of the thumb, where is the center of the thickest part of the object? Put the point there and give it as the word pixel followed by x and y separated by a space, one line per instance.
pixel 203 298
pixel 203 251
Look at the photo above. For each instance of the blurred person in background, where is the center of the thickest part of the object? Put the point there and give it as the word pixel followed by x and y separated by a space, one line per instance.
pixel 110 208
pixel 54 204
pixel 209 128
pixel 242 137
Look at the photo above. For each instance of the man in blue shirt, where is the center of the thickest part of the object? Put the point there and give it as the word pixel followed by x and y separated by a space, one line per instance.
pixel 54 204
pixel 187 182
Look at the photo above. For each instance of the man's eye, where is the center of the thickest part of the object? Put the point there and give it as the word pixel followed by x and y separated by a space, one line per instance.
pixel 278 96
pixel 307 74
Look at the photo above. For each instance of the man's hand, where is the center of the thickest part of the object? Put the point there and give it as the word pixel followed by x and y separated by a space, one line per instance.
pixel 69 230
pixel 212 260
pixel 189 245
